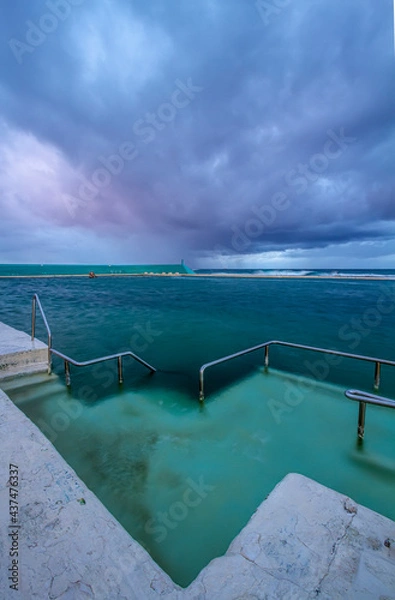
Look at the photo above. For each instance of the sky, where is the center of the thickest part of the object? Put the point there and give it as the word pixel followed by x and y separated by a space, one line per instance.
pixel 232 134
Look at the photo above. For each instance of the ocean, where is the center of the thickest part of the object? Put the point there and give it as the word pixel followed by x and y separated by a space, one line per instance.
pixel 179 323
pixel 151 433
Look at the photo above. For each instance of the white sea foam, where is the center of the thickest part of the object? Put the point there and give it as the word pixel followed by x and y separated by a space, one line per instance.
pixel 284 272
pixel 361 274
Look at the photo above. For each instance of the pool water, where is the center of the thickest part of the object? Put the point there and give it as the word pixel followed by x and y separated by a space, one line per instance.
pixel 184 479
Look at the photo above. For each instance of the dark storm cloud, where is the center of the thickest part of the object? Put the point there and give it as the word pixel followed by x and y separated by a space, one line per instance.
pixel 200 124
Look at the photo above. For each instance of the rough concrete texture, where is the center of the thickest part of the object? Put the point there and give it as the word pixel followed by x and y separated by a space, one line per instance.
pixel 19 353
pixel 305 541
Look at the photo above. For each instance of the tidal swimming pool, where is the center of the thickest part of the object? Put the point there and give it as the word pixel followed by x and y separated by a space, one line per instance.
pixel 182 478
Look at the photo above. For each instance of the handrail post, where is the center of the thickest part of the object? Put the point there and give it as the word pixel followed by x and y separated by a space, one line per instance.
pixel 266 356
pixel 361 420
pixel 377 374
pixel 49 355
pixel 120 374
pixel 67 372
pixel 201 385
pixel 33 318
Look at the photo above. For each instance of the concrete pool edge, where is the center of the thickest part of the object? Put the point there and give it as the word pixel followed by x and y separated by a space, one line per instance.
pixel 67 538
pixel 304 540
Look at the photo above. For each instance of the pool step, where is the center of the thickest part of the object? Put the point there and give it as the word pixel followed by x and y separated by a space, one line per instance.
pixel 19 354
pixel 20 381
pixel 33 388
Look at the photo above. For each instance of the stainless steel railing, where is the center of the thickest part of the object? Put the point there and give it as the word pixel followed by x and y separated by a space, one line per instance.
pixel 36 302
pixel 266 345
pixel 70 361
pixel 365 398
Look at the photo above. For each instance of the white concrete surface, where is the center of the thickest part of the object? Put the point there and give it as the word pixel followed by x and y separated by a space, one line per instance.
pixel 19 354
pixel 305 541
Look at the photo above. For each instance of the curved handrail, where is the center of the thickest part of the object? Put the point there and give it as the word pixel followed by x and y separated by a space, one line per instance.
pixel 36 302
pixel 94 361
pixel 71 361
pixel 365 398
pixel 360 396
pixel 266 345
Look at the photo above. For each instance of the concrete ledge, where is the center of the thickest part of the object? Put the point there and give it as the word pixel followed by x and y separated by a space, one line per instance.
pixel 305 541
pixel 19 354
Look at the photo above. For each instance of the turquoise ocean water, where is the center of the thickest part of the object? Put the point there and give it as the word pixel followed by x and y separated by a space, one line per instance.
pixel 141 446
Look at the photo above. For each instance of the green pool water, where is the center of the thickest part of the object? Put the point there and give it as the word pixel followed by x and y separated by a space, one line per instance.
pixel 184 479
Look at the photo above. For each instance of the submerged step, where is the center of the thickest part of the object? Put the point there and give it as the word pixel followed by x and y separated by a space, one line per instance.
pixel 18 382
pixel 33 388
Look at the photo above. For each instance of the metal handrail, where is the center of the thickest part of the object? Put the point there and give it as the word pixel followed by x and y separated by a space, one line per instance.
pixel 71 361
pixel 36 302
pixel 266 345
pixel 365 398
pixel 369 398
